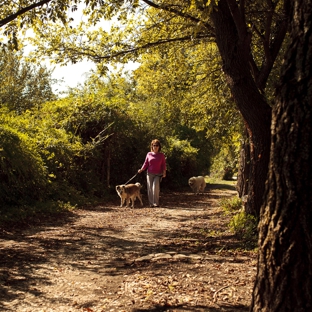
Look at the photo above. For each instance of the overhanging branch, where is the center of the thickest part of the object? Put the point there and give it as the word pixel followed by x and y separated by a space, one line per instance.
pixel 22 11
pixel 149 45
pixel 179 13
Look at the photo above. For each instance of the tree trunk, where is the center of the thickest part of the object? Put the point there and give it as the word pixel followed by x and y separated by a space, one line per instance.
pixel 234 50
pixel 108 166
pixel 243 171
pixel 283 281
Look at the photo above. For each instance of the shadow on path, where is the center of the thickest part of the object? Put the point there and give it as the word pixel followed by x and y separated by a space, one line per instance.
pixel 94 256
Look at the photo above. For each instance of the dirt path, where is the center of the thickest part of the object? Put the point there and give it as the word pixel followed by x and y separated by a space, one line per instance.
pixel 179 257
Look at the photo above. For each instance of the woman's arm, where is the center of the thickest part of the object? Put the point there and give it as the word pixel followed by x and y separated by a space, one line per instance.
pixel 145 165
pixel 164 166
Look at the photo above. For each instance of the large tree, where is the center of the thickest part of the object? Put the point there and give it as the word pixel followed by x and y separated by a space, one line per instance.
pixel 234 41
pixel 284 280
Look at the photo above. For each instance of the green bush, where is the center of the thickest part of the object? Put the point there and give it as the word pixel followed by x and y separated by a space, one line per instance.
pixel 224 164
pixel 23 175
pixel 55 151
pixel 244 226
pixel 181 161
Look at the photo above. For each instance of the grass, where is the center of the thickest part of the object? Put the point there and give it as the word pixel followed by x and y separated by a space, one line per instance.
pixel 216 183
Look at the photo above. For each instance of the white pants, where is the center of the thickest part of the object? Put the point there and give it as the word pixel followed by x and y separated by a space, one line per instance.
pixel 153 188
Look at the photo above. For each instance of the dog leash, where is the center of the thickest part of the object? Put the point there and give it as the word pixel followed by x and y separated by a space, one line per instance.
pixel 131 178
pixel 160 178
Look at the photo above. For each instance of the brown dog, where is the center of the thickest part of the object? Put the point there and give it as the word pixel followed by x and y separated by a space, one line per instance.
pixel 129 191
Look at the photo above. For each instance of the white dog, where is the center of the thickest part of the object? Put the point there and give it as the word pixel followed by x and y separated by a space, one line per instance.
pixel 129 191
pixel 197 184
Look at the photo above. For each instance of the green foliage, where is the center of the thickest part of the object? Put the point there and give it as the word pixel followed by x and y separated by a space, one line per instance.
pixel 225 163
pixel 231 205
pixel 136 121
pixel 51 171
pixel 98 137
pixel 193 102
pixel 181 159
pixel 115 143
pixel 179 91
pixel 22 170
pixel 68 150
pixel 23 85
pixel 242 224
pixel 17 16
pixel 188 92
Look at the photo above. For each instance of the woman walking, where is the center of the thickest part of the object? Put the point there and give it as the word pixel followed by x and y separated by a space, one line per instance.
pixel 155 163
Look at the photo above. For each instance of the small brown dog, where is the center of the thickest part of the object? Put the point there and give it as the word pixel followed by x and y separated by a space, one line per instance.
pixel 129 191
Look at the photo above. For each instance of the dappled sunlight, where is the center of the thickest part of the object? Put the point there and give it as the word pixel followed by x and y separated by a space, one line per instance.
pixel 181 255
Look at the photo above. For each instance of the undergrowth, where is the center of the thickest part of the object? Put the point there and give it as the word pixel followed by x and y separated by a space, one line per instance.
pixel 16 216
pixel 243 225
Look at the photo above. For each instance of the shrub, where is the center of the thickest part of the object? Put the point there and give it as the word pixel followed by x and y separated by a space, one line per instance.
pixel 244 226
pixel 181 159
pixel 23 176
pixel 224 164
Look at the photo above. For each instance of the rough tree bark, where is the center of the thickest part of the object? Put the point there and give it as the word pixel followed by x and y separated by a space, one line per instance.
pixel 234 48
pixel 284 280
pixel 243 170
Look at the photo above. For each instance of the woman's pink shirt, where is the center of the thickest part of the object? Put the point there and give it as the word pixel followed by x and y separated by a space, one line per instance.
pixel 155 163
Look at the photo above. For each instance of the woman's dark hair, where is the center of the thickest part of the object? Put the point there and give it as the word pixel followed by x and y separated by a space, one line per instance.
pixel 155 142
